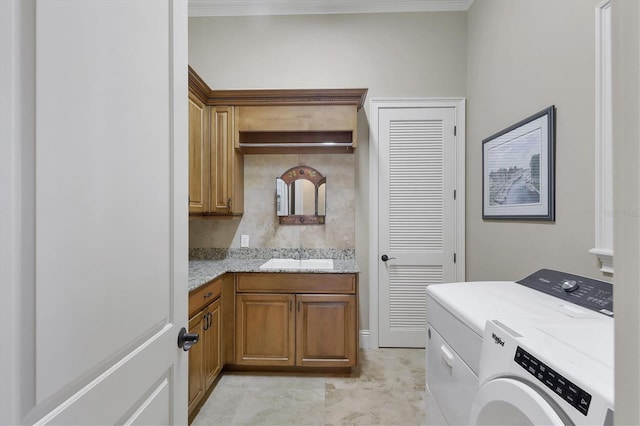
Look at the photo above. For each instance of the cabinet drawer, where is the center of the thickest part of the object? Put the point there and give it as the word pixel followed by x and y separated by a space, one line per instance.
pixel 295 283
pixel 204 295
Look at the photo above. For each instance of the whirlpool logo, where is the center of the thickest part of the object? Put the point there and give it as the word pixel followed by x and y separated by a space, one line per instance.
pixel 497 339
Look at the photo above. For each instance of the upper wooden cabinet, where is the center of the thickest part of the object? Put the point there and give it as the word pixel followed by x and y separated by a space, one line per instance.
pixel 225 124
pixel 216 169
pixel 199 151
pixel 296 128
pixel 271 121
pixel 227 179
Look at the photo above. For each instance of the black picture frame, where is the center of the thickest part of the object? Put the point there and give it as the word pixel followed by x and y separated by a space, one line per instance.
pixel 518 170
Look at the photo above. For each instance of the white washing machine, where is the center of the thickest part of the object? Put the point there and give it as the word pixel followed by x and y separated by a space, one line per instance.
pixel 545 373
pixel 457 314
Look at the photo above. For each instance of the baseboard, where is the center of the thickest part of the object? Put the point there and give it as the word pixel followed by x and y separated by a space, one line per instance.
pixel 365 339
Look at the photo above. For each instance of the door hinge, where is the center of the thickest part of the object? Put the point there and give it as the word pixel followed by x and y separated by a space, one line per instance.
pixel 454 258
pixel 455 130
pixel 454 194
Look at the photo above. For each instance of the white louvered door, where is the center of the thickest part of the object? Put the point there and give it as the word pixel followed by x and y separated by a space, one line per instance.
pixel 417 173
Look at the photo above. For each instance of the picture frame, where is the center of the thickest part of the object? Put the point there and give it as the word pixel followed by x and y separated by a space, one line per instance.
pixel 518 170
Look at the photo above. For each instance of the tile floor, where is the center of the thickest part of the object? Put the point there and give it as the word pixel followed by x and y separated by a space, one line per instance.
pixel 387 389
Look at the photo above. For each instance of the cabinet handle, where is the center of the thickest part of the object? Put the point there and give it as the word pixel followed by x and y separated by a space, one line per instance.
pixel 210 316
pixel 299 302
pixel 208 295
pixel 290 305
pixel 207 321
pixel 229 203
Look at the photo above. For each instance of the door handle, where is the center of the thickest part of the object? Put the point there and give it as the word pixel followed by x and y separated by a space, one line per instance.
pixel 447 356
pixel 384 258
pixel 186 340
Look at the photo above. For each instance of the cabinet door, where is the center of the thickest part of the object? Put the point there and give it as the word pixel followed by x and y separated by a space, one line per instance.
pixel 326 330
pixel 196 358
pixel 265 329
pixel 227 177
pixel 212 342
pixel 198 156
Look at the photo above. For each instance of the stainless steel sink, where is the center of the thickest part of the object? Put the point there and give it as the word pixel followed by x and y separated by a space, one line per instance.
pixel 298 264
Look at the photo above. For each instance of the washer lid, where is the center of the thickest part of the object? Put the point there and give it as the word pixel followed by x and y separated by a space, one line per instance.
pixel 476 302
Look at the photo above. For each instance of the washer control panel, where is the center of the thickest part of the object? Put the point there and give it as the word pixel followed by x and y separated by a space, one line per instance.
pixel 586 292
pixel 564 388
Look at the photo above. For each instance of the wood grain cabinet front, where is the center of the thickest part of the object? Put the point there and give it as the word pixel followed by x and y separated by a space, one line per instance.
pixel 296 329
pixel 199 156
pixel 265 327
pixel 326 330
pixel 227 177
pixel 205 357
pixel 196 363
pixel 216 169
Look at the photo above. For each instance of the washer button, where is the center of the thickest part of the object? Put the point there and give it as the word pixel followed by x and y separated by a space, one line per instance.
pixel 583 403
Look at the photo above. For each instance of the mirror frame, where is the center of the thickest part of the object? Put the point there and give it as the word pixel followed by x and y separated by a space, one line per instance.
pixel 315 177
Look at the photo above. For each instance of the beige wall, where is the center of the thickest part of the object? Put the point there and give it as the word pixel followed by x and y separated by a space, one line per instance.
pixel 524 56
pixel 393 55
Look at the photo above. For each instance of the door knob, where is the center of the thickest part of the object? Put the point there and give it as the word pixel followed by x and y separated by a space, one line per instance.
pixel 186 340
pixel 384 258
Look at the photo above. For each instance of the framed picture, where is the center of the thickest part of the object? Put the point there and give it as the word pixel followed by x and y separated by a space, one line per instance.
pixel 518 170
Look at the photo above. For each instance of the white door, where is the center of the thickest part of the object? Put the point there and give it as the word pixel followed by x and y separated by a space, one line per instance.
pixel 417 172
pixel 94 201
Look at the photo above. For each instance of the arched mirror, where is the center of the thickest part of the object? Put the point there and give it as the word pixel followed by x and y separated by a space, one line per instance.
pixel 301 194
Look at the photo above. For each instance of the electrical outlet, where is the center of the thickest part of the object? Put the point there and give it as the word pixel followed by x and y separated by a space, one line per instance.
pixel 244 240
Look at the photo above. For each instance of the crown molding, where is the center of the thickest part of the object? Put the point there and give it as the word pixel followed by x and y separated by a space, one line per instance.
pixel 208 96
pixel 319 7
pixel 197 86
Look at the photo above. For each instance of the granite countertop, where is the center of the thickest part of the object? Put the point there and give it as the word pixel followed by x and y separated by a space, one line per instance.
pixel 203 271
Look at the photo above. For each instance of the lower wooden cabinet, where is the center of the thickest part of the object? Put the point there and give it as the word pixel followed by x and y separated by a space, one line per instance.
pixel 326 330
pixel 196 363
pixel 271 320
pixel 265 329
pixel 205 357
pixel 211 340
pixel 285 329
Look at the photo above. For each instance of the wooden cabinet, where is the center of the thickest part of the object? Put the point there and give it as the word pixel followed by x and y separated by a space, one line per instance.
pixel 212 342
pixel 227 177
pixel 326 330
pixel 216 169
pixel 267 129
pixel 199 156
pixel 196 365
pixel 265 327
pixel 205 357
pixel 296 320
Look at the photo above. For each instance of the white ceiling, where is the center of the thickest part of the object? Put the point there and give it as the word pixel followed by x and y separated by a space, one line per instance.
pixel 314 7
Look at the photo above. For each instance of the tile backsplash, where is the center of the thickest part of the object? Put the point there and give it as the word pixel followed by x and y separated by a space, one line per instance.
pixel 259 220
pixel 270 253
